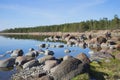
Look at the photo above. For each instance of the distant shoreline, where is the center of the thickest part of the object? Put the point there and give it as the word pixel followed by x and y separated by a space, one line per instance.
pixel 94 32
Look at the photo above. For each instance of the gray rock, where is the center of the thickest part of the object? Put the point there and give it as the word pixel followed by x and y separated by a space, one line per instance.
pixel 20 60
pixel 67 69
pixel 30 64
pixel 67 57
pixel 49 64
pixel 7 62
pixel 45 58
pixel 32 53
pixel 17 52
pixel 101 55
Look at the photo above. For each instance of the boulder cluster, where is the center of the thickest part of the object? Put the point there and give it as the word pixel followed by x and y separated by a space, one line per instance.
pixel 49 67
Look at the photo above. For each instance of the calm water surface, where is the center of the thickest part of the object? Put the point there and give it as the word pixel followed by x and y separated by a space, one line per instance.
pixel 7 44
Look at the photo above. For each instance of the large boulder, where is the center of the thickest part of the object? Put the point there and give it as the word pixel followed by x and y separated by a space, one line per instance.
pixel 45 58
pixel 7 62
pixel 17 52
pixel 67 69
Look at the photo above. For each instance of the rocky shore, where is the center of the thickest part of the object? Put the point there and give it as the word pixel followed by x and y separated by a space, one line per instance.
pixel 104 45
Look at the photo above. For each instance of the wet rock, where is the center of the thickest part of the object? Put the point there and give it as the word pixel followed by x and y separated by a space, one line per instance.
pixel 67 69
pixel 7 62
pixel 17 52
pixel 45 58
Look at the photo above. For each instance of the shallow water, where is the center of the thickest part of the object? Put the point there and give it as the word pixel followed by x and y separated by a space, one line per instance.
pixel 7 44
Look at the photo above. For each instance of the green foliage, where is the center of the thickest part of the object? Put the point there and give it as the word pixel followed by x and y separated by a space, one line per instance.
pixel 101 24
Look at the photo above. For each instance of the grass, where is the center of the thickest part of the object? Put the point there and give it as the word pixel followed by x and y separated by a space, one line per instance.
pixel 103 70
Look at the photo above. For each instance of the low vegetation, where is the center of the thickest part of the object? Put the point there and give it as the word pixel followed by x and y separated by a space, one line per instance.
pixel 102 70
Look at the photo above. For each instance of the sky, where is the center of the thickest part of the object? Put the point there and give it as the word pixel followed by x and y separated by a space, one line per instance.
pixel 31 13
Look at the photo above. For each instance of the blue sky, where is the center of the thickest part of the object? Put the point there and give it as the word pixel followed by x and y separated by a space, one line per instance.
pixel 29 13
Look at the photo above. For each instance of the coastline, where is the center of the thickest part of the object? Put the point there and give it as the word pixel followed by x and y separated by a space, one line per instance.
pixel 93 32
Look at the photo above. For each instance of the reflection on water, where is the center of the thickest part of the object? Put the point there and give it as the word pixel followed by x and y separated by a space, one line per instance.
pixel 33 37
pixel 25 42
pixel 6 69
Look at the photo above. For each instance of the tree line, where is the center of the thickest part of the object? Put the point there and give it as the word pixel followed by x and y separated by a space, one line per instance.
pixel 101 24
